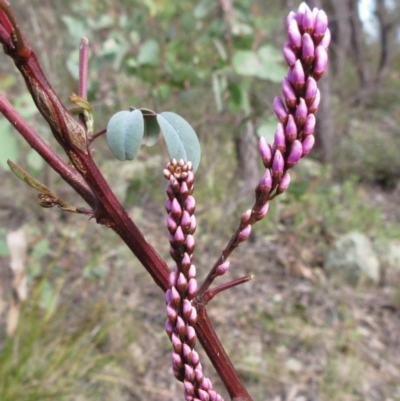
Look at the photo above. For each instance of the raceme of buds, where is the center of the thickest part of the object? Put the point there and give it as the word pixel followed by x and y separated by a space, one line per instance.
pixel 307 58
pixel 181 314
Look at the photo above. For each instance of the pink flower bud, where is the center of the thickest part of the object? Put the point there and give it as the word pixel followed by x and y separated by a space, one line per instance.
pixel 308 21
pixel 284 183
pixel 192 288
pixel 265 152
pixel 190 204
pixel 193 226
pixel 289 54
pixel 179 237
pixel 321 24
pixel 195 359
pixel 182 283
pixel 193 316
pixel 191 272
pixel 280 138
pixel 311 90
pixel 203 395
pixel 294 34
pixel 176 343
pixel 191 336
pixel 169 327
pixel 298 78
pixel 278 165
pixel 186 308
pixel 262 212
pixel 245 216
pixel 291 16
pixel 222 268
pixel 301 113
pixel 181 327
pixel 307 51
pixel 244 234
pixel 171 313
pixel 289 93
pixel 175 297
pixel 183 190
pixel 280 109
pixel 326 40
pixel 189 387
pixel 171 224
pixel 185 221
pixel 176 360
pixel 308 144
pixel 264 186
pixel 185 262
pixel 309 125
pixel 290 130
pixel 189 372
pixel 173 276
pixel 176 210
pixel 190 243
pixel 321 62
pixel 314 107
pixel 295 154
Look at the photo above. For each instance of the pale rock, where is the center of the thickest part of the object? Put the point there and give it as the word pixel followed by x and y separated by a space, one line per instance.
pixel 353 259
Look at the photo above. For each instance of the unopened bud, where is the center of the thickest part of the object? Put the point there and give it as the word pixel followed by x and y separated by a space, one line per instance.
pixel 290 130
pixel 280 109
pixel 284 183
pixel 278 165
pixel 308 144
pixel 265 152
pixel 295 154
pixel 294 34
pixel 321 62
pixel 289 93
pixel 244 234
pixel 280 138
pixel 222 268
pixel 289 54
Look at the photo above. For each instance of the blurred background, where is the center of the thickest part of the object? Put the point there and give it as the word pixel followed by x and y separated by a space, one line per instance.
pixel 81 320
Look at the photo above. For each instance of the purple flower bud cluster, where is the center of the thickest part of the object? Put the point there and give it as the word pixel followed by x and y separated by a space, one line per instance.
pixel 307 59
pixel 181 313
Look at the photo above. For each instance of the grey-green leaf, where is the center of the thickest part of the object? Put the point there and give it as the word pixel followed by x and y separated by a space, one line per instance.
pixel 151 128
pixel 125 132
pixel 180 135
pixel 172 139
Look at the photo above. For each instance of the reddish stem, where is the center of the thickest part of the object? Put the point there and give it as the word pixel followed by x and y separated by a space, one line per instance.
pixel 83 67
pixel 210 294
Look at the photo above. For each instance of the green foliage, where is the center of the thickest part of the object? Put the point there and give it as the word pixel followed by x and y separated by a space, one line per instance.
pixel 48 360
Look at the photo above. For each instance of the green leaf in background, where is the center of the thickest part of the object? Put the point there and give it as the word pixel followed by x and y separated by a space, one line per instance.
pixel 125 132
pixel 151 127
pixel 204 8
pixel 265 64
pixel 34 160
pixel 271 60
pixel 72 63
pixel 267 129
pixel 76 28
pixel 25 105
pixel 246 62
pixel 149 53
pixel 9 148
pixel 180 137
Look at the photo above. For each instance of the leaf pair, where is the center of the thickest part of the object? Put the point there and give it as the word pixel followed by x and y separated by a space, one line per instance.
pixel 127 131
